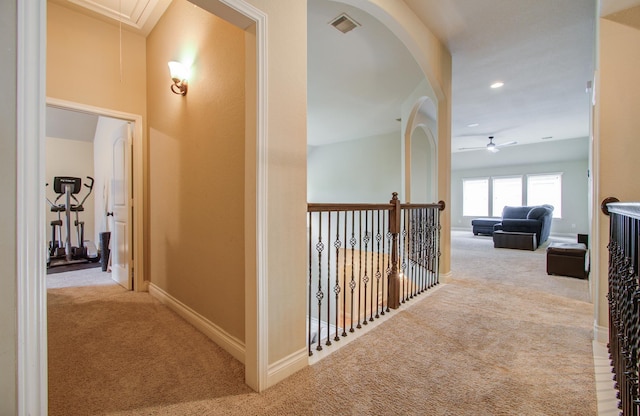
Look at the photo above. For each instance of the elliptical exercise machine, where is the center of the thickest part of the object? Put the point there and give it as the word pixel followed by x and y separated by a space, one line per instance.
pixel 60 253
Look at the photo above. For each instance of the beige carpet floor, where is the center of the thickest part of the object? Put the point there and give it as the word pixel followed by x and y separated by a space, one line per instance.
pixel 502 338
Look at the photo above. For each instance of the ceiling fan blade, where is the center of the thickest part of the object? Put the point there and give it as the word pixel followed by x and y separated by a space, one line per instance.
pixel 511 143
pixel 471 148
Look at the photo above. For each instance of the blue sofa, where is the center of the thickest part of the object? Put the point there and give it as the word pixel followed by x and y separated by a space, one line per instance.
pixel 532 219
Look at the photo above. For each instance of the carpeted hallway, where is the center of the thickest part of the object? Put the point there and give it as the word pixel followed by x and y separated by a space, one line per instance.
pixel 502 338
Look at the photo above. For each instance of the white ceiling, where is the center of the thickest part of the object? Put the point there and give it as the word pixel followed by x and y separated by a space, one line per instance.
pixel 542 50
pixel 71 125
pixel 136 15
pixel 356 82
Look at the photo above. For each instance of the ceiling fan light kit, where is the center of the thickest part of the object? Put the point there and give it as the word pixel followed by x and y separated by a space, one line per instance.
pixel 491 146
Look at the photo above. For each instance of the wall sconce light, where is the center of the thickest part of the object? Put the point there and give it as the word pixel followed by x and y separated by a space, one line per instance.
pixel 179 76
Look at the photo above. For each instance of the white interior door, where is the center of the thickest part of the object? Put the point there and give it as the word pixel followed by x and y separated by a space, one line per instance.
pixel 120 212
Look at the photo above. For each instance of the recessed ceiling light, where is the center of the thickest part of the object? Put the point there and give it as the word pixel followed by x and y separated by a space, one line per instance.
pixel 473 125
pixel 497 84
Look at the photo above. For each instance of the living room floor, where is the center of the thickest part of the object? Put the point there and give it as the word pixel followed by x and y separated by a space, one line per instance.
pixel 531 273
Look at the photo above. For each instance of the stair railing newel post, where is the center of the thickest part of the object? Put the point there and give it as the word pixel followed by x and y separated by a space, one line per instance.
pixel 395 280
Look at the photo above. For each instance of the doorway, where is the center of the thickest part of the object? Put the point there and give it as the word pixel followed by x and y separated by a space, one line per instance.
pixel 111 139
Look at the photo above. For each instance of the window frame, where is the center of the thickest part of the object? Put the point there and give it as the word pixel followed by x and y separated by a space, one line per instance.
pixel 487 179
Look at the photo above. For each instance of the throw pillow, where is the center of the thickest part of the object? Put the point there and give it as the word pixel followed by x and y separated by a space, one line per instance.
pixel 536 212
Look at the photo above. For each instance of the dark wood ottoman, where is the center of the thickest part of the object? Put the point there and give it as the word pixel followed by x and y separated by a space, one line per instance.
pixel 521 241
pixel 567 259
pixel 484 225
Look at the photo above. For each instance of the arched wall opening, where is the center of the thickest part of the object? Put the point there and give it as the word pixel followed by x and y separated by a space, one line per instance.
pixel 421 153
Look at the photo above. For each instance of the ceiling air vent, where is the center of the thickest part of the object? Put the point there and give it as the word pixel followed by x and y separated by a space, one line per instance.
pixel 344 23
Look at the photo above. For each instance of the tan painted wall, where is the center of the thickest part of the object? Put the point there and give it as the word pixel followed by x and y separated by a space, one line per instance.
pixel 287 170
pixel 616 134
pixel 196 145
pixel 8 242
pixel 83 62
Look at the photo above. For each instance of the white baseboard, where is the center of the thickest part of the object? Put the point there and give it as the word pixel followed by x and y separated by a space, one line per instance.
pixel 228 342
pixel 600 333
pixel 285 367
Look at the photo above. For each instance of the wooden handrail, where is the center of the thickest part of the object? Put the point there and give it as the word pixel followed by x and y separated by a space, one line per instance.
pixel 628 209
pixel 324 207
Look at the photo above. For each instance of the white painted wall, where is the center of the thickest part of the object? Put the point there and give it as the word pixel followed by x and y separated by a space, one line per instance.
pixel 365 170
pixel 70 158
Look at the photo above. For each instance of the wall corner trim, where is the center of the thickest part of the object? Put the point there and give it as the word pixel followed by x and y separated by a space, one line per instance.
pixel 229 343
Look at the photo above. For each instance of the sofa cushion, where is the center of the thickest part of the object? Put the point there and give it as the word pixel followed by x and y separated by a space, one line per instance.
pixel 536 212
pixel 515 212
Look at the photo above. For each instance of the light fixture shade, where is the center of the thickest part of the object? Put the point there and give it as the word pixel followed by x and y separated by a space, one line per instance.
pixel 178 71
pixel 179 76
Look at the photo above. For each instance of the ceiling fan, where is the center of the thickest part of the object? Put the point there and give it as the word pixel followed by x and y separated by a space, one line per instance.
pixel 491 146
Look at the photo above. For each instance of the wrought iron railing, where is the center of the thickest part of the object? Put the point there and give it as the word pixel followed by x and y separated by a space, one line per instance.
pixel 624 299
pixel 364 260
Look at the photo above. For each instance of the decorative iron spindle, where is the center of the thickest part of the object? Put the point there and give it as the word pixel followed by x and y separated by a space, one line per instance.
pixel 319 293
pixel 372 263
pixel 336 289
pixel 309 238
pixel 344 281
pixel 352 284
pixel 328 280
pixel 403 258
pixel 388 268
pixel 365 278
pixel 378 273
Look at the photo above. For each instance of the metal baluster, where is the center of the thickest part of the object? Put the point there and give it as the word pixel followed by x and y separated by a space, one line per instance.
pixel 328 281
pixel 411 250
pixel 378 273
pixel 336 289
pixel 437 250
pixel 365 278
pixel 309 286
pixel 359 268
pixel 421 250
pixel 344 281
pixel 388 270
pixel 404 257
pixel 319 293
pixel 352 283
pixel 371 289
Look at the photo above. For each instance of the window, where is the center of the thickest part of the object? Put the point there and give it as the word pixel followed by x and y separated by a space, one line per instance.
pixel 545 189
pixel 475 197
pixel 506 191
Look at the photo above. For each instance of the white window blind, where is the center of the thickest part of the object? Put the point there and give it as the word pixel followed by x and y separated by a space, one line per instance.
pixel 545 189
pixel 475 197
pixel 506 191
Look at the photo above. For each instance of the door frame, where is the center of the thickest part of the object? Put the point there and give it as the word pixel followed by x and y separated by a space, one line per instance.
pixel 31 293
pixel 140 284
